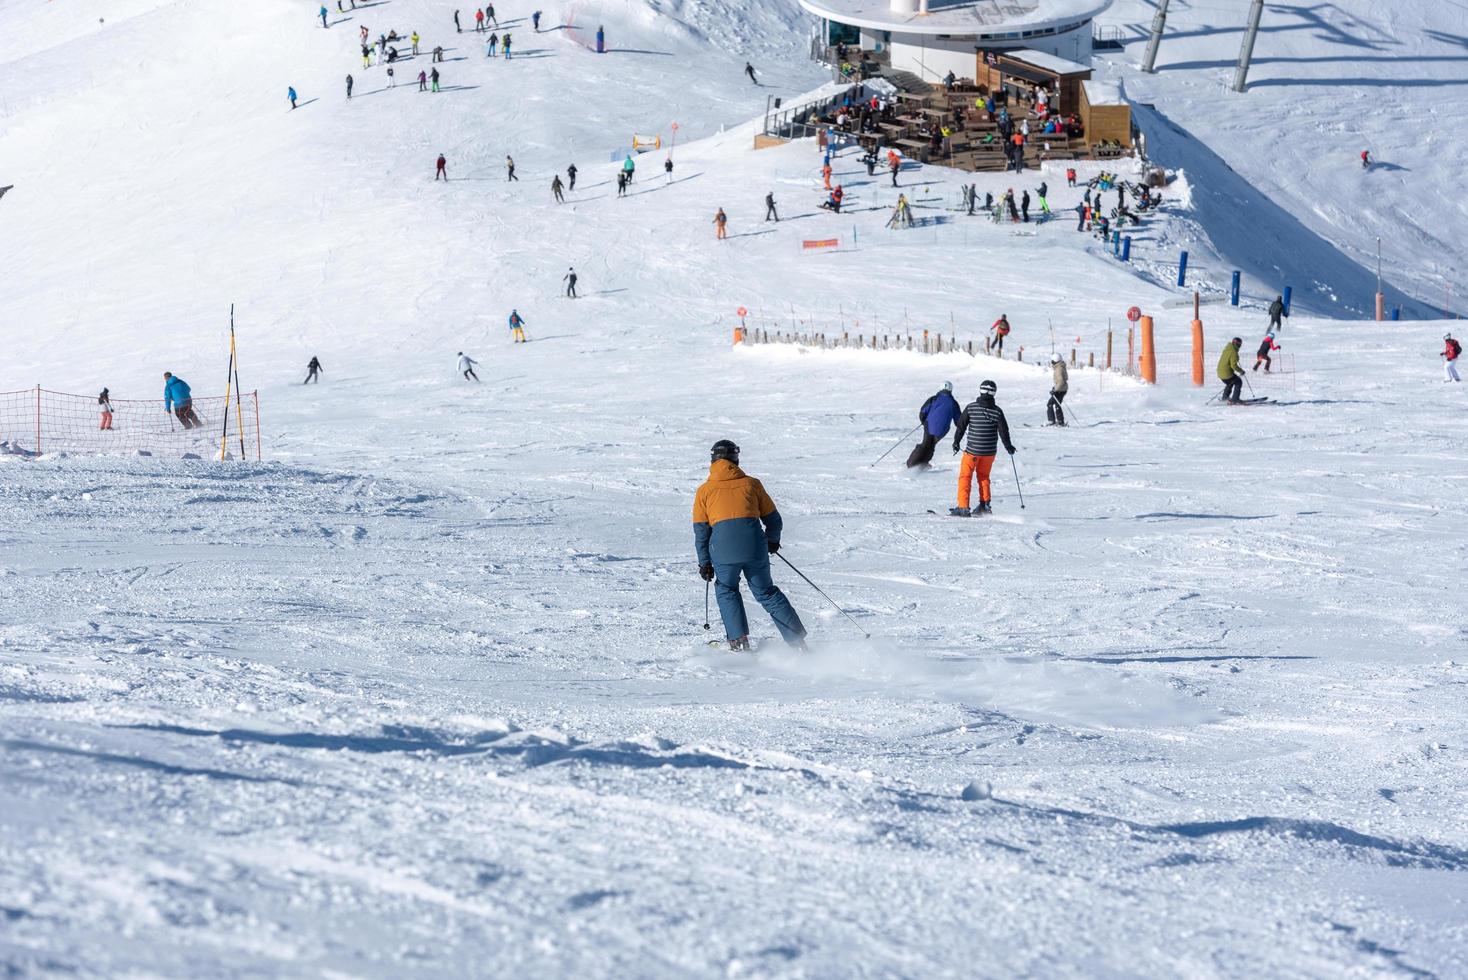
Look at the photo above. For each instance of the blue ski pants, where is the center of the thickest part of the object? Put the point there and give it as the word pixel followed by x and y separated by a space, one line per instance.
pixel 731 604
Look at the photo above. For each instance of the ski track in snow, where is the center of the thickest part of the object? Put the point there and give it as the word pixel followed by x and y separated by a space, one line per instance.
pixel 427 692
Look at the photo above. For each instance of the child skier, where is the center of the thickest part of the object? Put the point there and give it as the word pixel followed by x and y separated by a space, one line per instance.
pixel 105 401
pixel 1262 355
pixel 517 327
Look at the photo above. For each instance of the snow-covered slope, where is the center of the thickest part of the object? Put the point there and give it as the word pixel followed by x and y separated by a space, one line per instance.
pixel 426 693
pixel 1278 167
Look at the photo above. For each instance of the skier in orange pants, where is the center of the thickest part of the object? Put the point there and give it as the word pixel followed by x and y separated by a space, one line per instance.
pixel 721 221
pixel 986 427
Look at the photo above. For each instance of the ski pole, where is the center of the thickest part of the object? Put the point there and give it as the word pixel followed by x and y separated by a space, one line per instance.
pixel 833 602
pixel 1016 481
pixel 899 442
pixel 706 605
pixel 1249 383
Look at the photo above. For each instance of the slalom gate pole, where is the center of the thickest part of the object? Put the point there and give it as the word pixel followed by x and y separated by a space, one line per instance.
pixel 904 438
pixel 1015 465
pixel 228 377
pixel 706 586
pixel 239 410
pixel 833 602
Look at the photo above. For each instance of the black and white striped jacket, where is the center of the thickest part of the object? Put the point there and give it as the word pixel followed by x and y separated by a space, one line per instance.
pixel 986 426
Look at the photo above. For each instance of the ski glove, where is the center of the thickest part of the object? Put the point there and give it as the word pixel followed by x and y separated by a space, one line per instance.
pixel 774 547
pixel 706 572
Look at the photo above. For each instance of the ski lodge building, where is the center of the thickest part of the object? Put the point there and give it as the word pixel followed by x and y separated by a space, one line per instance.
pixel 931 38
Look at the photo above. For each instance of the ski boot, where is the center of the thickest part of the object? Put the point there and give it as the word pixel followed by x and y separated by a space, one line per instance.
pixel 739 644
pixel 959 512
pixel 984 508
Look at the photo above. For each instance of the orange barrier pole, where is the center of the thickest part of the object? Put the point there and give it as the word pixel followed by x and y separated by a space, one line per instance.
pixel 1149 353
pixel 1197 345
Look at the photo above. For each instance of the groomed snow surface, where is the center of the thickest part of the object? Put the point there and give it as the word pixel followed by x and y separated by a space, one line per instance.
pixel 427 692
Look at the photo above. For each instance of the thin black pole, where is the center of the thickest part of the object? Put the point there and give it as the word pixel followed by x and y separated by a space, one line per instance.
pixel 833 602
pixel 904 438
pixel 228 374
pixel 1016 481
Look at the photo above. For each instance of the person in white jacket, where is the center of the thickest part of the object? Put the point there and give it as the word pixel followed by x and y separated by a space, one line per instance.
pixel 1059 385
pixel 466 366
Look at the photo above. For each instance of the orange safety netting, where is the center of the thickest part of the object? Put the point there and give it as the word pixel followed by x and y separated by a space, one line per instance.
pixel 36 421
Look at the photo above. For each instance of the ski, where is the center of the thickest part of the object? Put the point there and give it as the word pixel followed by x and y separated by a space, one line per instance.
pixel 1247 401
pixel 754 644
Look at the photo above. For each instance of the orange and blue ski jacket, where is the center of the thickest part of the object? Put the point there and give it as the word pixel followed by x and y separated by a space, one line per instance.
pixel 734 519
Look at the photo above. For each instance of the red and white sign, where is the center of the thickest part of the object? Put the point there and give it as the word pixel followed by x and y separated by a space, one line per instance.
pixel 815 244
pixel 1134 314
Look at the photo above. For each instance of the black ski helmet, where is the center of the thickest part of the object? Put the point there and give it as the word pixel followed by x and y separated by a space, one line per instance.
pixel 988 388
pixel 724 449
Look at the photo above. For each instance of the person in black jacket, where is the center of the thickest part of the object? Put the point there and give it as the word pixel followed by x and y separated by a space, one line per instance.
pixel 313 371
pixel 986 426
pixel 1276 310
pixel 938 413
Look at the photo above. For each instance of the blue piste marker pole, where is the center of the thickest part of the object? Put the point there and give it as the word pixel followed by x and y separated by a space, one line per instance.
pixel 1286 300
pixel 1126 249
pixel 1233 291
pixel 1182 269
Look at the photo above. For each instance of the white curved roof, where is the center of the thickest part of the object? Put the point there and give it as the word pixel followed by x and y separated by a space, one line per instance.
pixel 961 17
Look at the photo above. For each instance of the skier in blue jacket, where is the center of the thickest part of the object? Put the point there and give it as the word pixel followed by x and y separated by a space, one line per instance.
pixel 937 414
pixel 176 398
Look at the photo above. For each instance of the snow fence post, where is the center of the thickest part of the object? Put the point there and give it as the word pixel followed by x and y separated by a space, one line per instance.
pixel 38 420
pixel 1233 289
pixel 1149 353
pixel 1197 344
pixel 1182 269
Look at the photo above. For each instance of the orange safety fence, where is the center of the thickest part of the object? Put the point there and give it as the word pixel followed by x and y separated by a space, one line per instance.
pixel 35 420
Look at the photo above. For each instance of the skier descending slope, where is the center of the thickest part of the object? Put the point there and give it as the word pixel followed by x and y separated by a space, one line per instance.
pixel 1266 346
pixel 735 530
pixel 466 367
pixel 1277 310
pixel 1452 350
pixel 177 397
pixel 1229 371
pixel 1059 385
pixel 986 425
pixel 517 327
pixel 937 414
